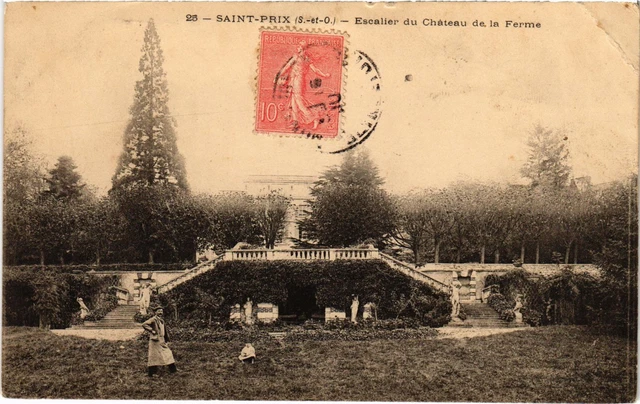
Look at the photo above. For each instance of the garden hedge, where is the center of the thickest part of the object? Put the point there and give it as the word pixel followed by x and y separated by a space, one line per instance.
pixel 126 267
pixel 32 296
pixel 211 295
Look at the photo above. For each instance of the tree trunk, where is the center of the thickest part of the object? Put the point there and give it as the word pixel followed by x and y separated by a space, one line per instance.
pixel 522 253
pixel 44 322
pixel 62 259
pixel 41 258
pixel 482 254
pixel 497 256
pixel 575 254
pixel 416 255
pixel 436 258
pixel 98 257
pixel 567 254
pixel 458 256
pixel 150 256
pixel 537 251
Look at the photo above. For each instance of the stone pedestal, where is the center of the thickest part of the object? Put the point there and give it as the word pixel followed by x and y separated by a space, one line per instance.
pixel 236 315
pixel 367 311
pixel 267 312
pixel 518 319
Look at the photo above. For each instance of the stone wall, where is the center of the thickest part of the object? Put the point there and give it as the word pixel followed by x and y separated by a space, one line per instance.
pixel 477 273
pixel 132 281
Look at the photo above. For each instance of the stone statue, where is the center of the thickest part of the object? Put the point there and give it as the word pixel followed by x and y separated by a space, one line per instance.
pixel 84 310
pixel 455 299
pixel 355 303
pixel 145 298
pixel 248 312
pixel 516 309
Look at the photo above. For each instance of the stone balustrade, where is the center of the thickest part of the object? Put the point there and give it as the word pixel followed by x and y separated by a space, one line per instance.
pixel 322 254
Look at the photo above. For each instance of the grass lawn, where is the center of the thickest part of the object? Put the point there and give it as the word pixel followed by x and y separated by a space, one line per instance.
pixel 550 364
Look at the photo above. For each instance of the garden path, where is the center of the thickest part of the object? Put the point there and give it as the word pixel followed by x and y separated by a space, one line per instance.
pixel 111 335
pixel 460 332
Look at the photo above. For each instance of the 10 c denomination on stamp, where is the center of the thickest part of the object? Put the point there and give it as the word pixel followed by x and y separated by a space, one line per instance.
pixel 300 83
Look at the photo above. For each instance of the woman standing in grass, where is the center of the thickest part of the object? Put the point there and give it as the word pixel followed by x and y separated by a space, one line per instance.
pixel 159 352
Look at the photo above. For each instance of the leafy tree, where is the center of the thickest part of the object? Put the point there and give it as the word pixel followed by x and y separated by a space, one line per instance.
pixel 535 222
pixel 64 183
pixel 150 153
pixel 162 222
pixel 232 219
pixel 100 228
pixel 618 259
pixel 23 182
pixel 570 212
pixel 411 225
pixel 424 217
pixel 270 216
pixel 547 164
pixel 23 170
pixel 348 205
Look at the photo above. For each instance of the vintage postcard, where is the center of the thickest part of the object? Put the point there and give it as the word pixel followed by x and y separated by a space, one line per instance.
pixel 330 201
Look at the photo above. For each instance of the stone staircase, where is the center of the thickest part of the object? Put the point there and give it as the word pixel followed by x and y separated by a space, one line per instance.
pixel 410 271
pixel 190 274
pixel 119 318
pixel 482 315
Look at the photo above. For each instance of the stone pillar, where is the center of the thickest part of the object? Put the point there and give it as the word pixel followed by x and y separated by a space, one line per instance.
pixel 472 285
pixel 331 314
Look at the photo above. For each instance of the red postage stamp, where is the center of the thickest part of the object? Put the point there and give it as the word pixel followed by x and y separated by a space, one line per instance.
pixel 300 83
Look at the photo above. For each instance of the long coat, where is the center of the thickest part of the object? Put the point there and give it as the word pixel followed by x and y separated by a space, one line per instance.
pixel 159 352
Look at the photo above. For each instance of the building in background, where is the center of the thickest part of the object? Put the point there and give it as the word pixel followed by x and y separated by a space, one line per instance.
pixel 296 187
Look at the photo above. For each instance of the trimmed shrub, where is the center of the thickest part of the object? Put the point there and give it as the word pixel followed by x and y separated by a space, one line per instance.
pixel 106 302
pixel 500 304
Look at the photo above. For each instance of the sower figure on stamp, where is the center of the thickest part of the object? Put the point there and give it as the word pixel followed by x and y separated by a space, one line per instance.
pixel 159 352
pixel 293 76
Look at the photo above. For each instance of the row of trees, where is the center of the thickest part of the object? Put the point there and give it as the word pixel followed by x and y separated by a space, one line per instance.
pixel 550 220
pixel 468 222
pixel 144 224
pixel 150 215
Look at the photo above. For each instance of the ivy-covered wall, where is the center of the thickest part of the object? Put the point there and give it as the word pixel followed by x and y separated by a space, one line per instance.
pixel 33 296
pixel 335 282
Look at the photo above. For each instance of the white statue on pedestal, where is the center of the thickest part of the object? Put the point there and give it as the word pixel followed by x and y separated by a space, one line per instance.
pixel 145 298
pixel 248 312
pixel 84 310
pixel 355 303
pixel 455 299
pixel 516 309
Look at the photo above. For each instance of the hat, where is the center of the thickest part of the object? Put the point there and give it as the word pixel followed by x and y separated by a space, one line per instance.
pixel 156 308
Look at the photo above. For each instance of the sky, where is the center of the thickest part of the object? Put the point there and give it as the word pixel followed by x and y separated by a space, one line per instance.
pixel 475 94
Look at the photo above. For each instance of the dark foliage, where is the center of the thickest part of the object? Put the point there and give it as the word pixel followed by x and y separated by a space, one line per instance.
pixel 329 283
pixel 180 266
pixel 33 297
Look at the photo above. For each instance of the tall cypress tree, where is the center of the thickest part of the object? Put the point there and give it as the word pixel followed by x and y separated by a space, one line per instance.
pixel 150 156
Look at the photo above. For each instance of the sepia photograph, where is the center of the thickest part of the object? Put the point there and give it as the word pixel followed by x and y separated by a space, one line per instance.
pixel 321 201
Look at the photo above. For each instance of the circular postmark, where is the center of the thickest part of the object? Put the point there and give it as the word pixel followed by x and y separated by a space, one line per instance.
pixel 302 82
pixel 364 107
